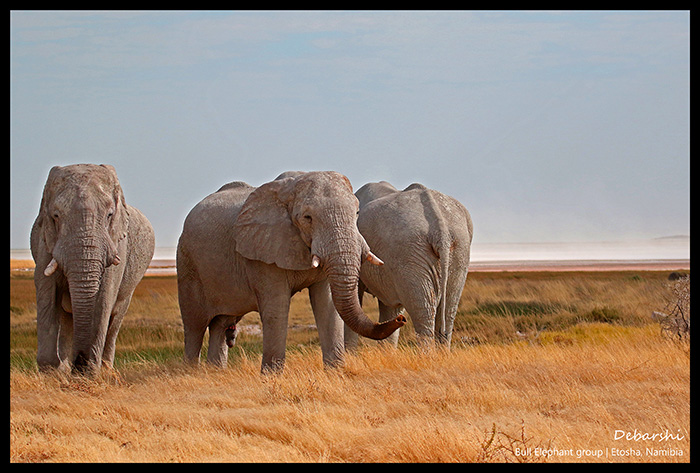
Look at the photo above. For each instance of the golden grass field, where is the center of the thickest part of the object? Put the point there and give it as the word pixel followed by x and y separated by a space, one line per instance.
pixel 589 379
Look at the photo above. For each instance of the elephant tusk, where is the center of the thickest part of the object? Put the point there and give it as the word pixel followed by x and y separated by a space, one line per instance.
pixel 51 267
pixel 372 258
pixel 315 261
pixel 116 260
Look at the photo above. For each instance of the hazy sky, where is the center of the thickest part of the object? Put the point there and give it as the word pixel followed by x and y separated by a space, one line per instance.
pixel 547 126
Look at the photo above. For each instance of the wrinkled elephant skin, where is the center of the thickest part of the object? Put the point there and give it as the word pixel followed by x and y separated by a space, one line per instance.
pixel 424 239
pixel 246 249
pixel 91 249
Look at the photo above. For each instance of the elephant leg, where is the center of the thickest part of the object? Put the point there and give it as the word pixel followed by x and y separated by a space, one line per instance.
pixel 389 313
pixel 194 317
pixel 450 314
pixel 424 325
pixel 330 325
pixel 47 324
pixel 65 337
pixel 444 326
pixel 274 315
pixel 194 338
pixel 446 336
pixel 351 339
pixel 420 297
pixel 456 281
pixel 118 313
pixel 423 317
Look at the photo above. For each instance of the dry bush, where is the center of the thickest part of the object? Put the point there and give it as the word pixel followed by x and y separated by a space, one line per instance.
pixel 675 320
pixel 499 446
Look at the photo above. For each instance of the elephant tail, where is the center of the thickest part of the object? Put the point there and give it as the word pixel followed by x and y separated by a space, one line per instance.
pixel 441 241
pixel 443 249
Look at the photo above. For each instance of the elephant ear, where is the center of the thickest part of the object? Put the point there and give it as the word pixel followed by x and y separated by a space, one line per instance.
pixel 120 220
pixel 264 230
pixel 46 221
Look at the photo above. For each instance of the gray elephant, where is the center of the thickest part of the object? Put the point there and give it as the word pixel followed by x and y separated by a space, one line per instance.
pixel 246 249
pixel 424 238
pixel 91 249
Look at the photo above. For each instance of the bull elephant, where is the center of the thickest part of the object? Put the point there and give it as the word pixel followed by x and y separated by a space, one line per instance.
pixel 91 249
pixel 424 239
pixel 246 249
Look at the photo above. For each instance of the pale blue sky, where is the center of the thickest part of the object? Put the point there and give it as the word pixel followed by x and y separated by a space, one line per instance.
pixel 548 126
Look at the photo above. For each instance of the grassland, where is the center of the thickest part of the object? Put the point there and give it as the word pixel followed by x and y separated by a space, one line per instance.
pixel 545 366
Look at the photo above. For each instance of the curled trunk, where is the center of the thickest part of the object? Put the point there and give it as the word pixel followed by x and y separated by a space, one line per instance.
pixel 343 277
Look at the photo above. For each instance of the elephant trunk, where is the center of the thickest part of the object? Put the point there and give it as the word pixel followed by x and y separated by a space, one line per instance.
pixel 84 272
pixel 343 275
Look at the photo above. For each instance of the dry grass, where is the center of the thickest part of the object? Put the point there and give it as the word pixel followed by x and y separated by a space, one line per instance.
pixel 385 405
pixel 21 264
pixel 493 399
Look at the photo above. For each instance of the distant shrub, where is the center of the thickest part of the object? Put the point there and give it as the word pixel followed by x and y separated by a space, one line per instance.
pixel 516 308
pixel 601 314
pixel 675 320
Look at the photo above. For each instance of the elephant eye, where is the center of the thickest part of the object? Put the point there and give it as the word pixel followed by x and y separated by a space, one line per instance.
pixel 308 218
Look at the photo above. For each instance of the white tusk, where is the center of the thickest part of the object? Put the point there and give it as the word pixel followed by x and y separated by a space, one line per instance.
pixel 51 267
pixel 372 258
pixel 116 260
pixel 315 261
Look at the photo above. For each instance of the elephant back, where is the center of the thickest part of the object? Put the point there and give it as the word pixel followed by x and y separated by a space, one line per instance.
pixel 373 191
pixel 218 210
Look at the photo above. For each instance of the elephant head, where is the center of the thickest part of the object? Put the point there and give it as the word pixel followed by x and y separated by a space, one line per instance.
pixel 308 220
pixel 373 191
pixel 83 217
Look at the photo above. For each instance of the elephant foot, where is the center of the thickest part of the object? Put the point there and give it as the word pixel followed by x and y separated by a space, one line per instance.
pixel 84 367
pixel 273 367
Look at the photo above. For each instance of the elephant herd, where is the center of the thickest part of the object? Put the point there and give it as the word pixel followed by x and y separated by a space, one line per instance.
pixel 246 249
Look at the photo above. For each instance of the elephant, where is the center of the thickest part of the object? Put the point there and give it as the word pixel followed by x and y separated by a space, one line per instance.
pixel 246 249
pixel 424 239
pixel 91 249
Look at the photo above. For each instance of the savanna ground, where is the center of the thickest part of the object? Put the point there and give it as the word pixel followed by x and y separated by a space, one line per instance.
pixel 544 367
